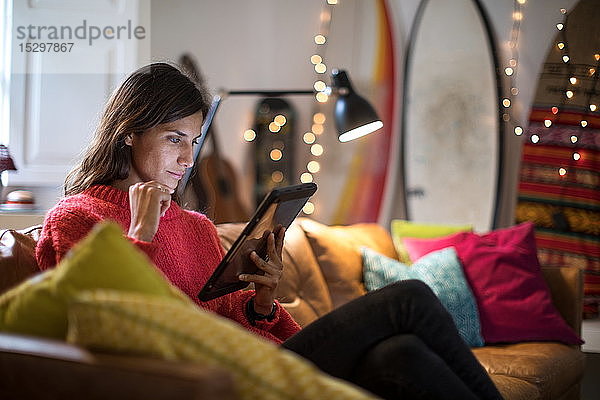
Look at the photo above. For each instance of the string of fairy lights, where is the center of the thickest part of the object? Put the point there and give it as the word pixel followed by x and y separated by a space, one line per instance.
pixel 311 137
pixel 572 86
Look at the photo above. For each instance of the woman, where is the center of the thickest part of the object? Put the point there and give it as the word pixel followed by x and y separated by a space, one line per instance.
pixel 392 341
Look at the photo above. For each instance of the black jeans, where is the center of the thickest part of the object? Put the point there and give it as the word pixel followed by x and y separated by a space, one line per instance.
pixel 396 342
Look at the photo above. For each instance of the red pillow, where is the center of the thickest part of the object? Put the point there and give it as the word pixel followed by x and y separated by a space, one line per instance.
pixel 505 276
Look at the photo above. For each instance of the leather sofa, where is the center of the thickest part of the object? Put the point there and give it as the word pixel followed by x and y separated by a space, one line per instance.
pixel 322 271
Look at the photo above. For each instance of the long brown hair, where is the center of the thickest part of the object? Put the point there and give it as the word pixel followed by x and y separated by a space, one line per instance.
pixel 155 94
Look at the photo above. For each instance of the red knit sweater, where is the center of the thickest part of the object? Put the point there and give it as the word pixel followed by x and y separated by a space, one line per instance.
pixel 186 249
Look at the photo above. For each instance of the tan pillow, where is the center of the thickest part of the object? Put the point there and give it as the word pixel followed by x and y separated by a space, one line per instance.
pixel 337 249
pixel 17 256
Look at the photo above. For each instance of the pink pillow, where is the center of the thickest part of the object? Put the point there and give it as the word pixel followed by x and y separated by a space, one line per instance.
pixel 505 276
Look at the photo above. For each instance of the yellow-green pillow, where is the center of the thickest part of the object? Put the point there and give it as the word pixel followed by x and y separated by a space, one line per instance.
pixel 401 229
pixel 104 259
pixel 151 326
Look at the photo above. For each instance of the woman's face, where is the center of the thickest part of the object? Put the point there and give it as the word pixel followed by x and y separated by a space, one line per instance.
pixel 163 153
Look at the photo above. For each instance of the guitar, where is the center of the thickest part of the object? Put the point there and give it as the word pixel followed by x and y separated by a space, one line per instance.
pixel 213 177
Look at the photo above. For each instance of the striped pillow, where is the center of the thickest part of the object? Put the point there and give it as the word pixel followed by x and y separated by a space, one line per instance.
pixel 166 328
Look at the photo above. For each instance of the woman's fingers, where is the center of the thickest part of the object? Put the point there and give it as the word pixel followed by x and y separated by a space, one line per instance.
pixel 269 267
pixel 265 280
pixel 148 202
pixel 280 239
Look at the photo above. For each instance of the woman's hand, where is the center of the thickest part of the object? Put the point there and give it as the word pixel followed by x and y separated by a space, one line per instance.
pixel 266 284
pixel 148 201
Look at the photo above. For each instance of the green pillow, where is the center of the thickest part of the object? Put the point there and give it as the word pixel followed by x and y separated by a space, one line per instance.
pixel 104 259
pixel 401 229
pixel 133 323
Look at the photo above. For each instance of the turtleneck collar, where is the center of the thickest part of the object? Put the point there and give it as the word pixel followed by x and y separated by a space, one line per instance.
pixel 121 198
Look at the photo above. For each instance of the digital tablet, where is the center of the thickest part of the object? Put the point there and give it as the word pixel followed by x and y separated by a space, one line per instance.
pixel 278 209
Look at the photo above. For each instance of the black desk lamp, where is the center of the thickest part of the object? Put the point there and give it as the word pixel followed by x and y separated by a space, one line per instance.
pixel 354 116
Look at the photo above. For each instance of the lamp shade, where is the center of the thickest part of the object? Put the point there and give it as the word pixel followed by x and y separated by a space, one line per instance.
pixel 6 161
pixel 354 116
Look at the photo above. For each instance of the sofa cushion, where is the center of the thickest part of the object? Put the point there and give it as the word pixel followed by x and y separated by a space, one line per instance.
pixel 337 249
pixel 503 270
pixel 302 289
pixel 159 327
pixel 552 367
pixel 442 272
pixel 104 259
pixel 515 388
pixel 17 256
pixel 401 229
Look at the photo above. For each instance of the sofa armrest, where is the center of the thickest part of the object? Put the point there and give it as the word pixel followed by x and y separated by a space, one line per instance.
pixel 566 287
pixel 46 369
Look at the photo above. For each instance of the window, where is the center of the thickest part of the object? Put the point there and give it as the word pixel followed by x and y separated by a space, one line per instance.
pixel 5 38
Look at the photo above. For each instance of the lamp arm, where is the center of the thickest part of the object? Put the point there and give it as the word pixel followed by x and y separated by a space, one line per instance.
pixel 216 101
pixel 204 132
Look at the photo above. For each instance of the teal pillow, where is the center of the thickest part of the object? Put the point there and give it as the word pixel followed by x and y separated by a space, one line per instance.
pixel 442 272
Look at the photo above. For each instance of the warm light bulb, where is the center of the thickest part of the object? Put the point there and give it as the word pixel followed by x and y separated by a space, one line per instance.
pixel 320 68
pixel 573 80
pixel 535 138
pixel 306 178
pixel 508 71
pixel 593 107
pixel 316 150
pixel 320 86
pixel 517 16
pixel 315 59
pixel 518 130
pixel 317 129
pixel 320 39
pixel 554 110
pixel 547 123
pixel 313 166
pixel 309 138
pixel 592 71
pixel 280 120
pixel 308 208
pixel 273 127
pixel 563 10
pixel 321 97
pixel 319 118
pixel 276 154
pixel 597 57
pixel 277 176
pixel 514 91
pixel 249 135
pixel 522 1
pixel 512 62
pixel 559 26
pixel 576 156
pixel 569 94
pixel 560 45
pixel 506 103
pixel 566 58
pixel 332 2
pixel 562 171
pixel 584 123
pixel 573 139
